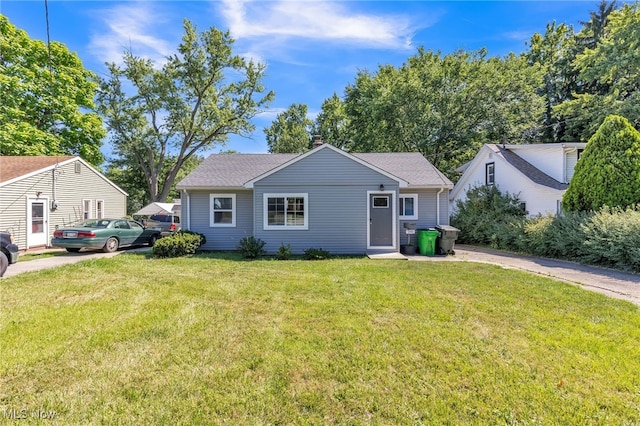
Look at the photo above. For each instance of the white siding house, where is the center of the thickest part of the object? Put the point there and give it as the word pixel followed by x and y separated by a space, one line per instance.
pixel 39 194
pixel 538 174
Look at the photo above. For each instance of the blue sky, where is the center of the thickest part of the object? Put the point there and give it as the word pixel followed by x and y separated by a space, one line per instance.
pixel 312 48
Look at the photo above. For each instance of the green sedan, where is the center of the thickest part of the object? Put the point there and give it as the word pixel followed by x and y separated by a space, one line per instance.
pixel 105 234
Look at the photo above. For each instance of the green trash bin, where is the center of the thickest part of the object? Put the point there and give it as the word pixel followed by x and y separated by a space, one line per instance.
pixel 427 241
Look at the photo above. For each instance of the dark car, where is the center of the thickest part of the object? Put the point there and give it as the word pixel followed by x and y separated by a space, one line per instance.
pixel 105 234
pixel 165 223
pixel 8 252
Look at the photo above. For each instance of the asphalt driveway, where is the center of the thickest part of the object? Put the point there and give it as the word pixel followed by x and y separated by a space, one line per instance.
pixel 620 285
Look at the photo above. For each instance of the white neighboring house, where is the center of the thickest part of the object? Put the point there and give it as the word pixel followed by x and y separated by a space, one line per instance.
pixel 538 174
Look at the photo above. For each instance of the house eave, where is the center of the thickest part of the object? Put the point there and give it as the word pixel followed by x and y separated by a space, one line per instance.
pixel 432 186
pixel 211 188
pixel 63 163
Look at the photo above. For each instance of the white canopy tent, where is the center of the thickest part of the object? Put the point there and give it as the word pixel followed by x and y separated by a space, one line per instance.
pixel 159 208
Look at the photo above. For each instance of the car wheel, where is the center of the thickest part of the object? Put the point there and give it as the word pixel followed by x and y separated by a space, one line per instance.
pixel 111 245
pixel 4 263
pixel 152 240
pixel 73 250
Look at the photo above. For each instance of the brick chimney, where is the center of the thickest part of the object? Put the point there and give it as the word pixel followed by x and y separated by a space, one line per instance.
pixel 317 141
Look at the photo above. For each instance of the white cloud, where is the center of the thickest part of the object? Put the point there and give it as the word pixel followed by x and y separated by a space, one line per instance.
pixel 270 114
pixel 129 26
pixel 317 20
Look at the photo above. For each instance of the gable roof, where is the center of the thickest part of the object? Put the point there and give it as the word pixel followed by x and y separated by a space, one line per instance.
pixel 242 170
pixel 12 167
pixel 529 170
pixel 400 181
pixel 16 168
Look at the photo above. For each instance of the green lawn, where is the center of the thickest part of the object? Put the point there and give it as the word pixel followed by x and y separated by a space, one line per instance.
pixel 213 339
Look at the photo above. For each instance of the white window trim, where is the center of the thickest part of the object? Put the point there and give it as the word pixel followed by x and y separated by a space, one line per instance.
pixel 97 211
pixel 415 207
pixel 492 181
pixel 386 197
pixel 265 212
pixel 90 211
pixel 212 211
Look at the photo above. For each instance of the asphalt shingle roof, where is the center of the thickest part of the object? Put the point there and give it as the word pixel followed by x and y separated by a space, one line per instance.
pixel 234 170
pixel 528 169
pixel 12 167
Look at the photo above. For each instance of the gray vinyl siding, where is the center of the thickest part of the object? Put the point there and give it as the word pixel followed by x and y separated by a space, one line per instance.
pixel 427 208
pixel 337 203
pixel 221 238
pixel 71 188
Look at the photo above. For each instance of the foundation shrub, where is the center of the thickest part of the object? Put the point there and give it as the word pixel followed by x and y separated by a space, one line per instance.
pixel 252 247
pixel 178 244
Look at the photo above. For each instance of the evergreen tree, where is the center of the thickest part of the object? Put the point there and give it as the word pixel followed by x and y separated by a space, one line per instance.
pixel 608 172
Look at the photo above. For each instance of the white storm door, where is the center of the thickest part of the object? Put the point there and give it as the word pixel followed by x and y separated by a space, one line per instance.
pixel 37 222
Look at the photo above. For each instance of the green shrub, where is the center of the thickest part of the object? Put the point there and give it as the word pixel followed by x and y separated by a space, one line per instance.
pixel 316 254
pixel 565 237
pixel 284 252
pixel 251 247
pixel 180 243
pixel 609 237
pixel 612 238
pixel 483 216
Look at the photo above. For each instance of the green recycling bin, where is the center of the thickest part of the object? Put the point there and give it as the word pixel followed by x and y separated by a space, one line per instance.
pixel 427 241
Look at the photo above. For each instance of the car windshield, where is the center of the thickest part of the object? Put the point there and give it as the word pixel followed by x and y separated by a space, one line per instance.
pixel 93 223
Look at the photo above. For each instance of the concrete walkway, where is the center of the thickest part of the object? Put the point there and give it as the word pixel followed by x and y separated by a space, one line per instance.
pixel 59 260
pixel 620 285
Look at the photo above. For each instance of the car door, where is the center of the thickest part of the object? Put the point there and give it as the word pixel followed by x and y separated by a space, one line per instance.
pixel 125 234
pixel 140 237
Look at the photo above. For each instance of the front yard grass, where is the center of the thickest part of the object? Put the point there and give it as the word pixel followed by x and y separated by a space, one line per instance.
pixel 214 339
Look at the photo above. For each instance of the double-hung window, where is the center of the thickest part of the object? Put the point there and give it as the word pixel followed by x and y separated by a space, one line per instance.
pixel 490 175
pixel 223 210
pixel 86 209
pixel 286 211
pixel 408 206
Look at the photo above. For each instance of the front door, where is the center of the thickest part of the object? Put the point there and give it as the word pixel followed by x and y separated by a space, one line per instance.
pixel 37 222
pixel 381 219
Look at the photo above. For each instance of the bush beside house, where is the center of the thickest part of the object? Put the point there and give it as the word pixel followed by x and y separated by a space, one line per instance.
pixel 608 237
pixel 178 244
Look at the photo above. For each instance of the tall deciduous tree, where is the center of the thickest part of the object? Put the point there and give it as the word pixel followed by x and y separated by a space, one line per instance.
pixel 332 122
pixel 608 172
pixel 126 173
pixel 609 75
pixel 444 106
pixel 46 99
pixel 163 117
pixel 556 51
pixel 290 131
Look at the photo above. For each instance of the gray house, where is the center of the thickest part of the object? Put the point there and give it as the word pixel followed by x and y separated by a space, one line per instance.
pixel 39 194
pixel 326 198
